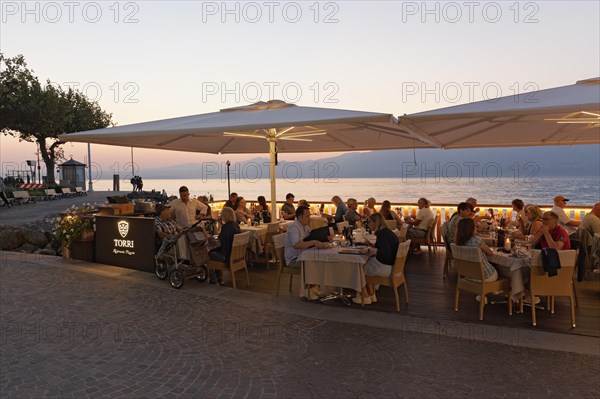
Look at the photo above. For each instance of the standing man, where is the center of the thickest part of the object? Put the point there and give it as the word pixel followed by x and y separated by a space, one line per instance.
pixel 288 212
pixel 2 195
pixel 565 221
pixel 185 209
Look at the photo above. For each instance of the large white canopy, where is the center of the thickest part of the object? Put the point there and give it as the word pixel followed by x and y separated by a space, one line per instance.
pixel 296 129
pixel 558 116
pixel 274 126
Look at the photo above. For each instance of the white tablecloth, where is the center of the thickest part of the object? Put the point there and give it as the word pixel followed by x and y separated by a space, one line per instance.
pixel 326 267
pixel 513 268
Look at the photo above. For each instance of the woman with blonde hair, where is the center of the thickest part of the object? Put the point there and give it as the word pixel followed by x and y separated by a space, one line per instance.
pixel 369 208
pixel 229 228
pixel 533 213
pixel 381 263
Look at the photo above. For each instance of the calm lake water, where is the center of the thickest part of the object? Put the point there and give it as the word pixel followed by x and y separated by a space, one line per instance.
pixel 581 190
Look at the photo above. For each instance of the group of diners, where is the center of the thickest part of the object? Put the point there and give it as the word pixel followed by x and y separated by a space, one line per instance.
pixel 550 229
pixel 258 212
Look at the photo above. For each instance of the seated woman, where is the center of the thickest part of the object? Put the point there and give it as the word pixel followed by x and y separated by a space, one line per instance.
pixel 263 209
pixel 465 210
pixel 388 214
pixel 533 224
pixel 465 236
pixel 229 228
pixel 369 207
pixel 380 264
pixel 242 215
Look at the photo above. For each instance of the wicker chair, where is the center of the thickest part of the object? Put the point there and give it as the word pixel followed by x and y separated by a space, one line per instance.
pixel 429 238
pixel 469 267
pixel 559 285
pixel 269 248
pixel 396 277
pixel 237 259
pixel 279 242
pixel 448 259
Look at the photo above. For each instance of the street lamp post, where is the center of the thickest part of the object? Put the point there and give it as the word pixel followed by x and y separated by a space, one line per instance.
pixel 228 182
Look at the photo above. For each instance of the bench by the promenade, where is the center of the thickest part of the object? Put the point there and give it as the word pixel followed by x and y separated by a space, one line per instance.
pixel 52 194
pixel 80 191
pixel 22 197
pixel 10 202
pixel 66 192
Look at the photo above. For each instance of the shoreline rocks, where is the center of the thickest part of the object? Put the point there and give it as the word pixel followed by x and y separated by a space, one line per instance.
pixel 34 238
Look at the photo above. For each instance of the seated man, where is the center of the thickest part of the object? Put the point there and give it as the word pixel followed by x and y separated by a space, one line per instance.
pixel 230 203
pixel 287 210
pixel 465 210
pixel 552 234
pixel 164 226
pixel 295 244
pixel 591 221
pixel 420 225
pixel 340 211
pixel 518 206
pixel 352 215
pixel 565 221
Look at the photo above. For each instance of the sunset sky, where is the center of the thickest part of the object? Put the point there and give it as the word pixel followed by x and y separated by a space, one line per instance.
pixel 148 60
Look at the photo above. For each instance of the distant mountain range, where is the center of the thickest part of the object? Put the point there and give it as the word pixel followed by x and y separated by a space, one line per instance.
pixel 485 162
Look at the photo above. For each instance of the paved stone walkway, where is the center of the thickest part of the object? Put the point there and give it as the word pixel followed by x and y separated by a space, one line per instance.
pixel 65 333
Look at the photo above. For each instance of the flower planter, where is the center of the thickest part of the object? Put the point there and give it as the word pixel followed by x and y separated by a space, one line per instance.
pixel 66 251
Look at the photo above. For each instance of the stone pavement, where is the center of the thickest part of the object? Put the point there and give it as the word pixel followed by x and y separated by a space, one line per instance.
pixel 70 329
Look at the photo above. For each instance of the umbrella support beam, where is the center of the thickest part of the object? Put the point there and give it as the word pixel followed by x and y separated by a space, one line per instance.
pixel 272 155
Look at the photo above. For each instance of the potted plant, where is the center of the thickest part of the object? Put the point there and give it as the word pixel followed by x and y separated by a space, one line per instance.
pixel 73 225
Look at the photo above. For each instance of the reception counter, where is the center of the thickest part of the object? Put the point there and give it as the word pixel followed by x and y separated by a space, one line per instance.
pixel 126 241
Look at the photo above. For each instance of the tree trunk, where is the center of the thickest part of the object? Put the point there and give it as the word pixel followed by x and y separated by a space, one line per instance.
pixel 48 157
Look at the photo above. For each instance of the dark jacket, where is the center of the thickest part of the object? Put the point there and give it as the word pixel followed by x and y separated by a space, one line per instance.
pixel 387 246
pixel 228 230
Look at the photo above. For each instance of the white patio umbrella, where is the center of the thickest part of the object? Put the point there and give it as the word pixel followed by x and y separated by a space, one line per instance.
pixel 558 116
pixel 286 128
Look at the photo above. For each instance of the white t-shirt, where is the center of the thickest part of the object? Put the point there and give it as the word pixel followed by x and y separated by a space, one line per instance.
pixel 185 214
pixel 563 219
pixel 425 215
pixel 295 233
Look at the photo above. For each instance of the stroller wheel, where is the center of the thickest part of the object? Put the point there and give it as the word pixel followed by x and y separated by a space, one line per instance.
pixel 176 279
pixel 202 274
pixel 161 270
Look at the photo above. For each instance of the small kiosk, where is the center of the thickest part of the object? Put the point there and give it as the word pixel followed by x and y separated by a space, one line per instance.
pixel 72 173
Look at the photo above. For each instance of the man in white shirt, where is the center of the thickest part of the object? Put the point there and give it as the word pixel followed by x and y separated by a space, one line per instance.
pixel 418 226
pixel 185 210
pixel 565 221
pixel 591 221
pixel 295 244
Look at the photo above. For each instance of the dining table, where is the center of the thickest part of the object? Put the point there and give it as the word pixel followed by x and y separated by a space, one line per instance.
pixel 515 264
pixel 332 267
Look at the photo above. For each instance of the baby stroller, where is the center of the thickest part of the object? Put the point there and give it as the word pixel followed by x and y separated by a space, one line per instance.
pixel 182 256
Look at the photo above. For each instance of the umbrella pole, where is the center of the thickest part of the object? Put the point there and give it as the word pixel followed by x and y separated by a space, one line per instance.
pixel 272 179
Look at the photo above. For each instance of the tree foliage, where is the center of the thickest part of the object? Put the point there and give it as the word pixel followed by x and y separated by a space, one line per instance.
pixel 36 113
